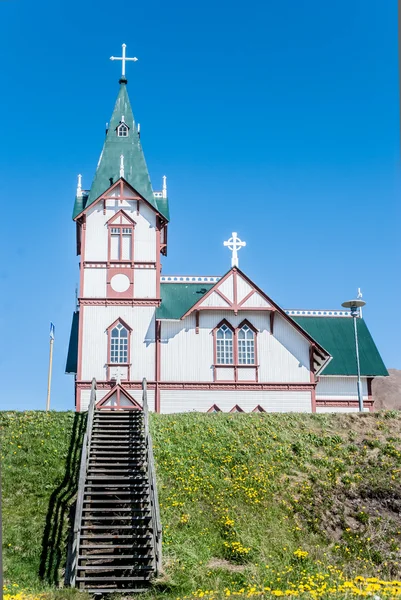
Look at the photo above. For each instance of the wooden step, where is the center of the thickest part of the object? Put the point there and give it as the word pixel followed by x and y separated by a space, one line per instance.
pixel 91 557
pixel 116 463
pixel 116 509
pixel 115 536
pixel 119 451
pixel 138 482
pixel 111 547
pixel 141 528
pixel 116 579
pixel 116 518
pixel 97 591
pixel 143 568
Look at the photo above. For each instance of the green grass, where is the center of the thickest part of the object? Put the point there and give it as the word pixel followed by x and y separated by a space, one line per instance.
pixel 248 501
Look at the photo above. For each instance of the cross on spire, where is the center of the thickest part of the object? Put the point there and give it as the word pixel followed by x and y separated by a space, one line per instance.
pixel 234 244
pixel 123 59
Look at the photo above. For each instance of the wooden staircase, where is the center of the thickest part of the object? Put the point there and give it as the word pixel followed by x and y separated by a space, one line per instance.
pixel 117 531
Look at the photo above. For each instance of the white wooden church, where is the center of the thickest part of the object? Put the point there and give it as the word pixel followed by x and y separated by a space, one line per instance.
pixel 203 343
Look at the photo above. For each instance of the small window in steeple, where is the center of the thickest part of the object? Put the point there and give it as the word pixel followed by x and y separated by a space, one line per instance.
pixel 122 130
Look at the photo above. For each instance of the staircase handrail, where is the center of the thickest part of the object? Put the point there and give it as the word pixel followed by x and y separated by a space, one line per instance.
pixel 154 497
pixel 81 483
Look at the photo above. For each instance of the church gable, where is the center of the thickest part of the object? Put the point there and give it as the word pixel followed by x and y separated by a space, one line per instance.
pixel 233 292
pixel 118 399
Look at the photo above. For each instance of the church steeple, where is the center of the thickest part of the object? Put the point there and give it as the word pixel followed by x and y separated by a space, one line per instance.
pixel 122 146
pixel 122 139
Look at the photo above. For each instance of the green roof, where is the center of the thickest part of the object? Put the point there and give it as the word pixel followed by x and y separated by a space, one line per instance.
pixel 177 298
pixel 135 169
pixel 72 356
pixel 336 335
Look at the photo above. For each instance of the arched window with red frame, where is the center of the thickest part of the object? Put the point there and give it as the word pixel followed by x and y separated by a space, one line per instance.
pixel 225 345
pixel 119 344
pixel 246 345
pixel 121 238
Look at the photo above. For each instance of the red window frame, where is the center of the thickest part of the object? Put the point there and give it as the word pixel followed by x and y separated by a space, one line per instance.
pixel 119 364
pixel 235 364
pixel 114 224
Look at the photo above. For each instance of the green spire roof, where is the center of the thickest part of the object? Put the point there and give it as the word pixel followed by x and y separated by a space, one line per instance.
pixel 135 169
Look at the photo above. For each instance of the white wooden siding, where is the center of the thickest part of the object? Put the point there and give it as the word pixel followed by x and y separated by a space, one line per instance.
pixel 243 288
pixel 256 301
pixel 340 388
pixel 145 235
pixel 215 300
pixel 172 401
pixel 187 356
pixel 247 374
pixel 96 319
pixel 95 283
pixel 338 409
pixel 224 374
pixel 226 288
pixel 145 283
pixel 283 356
pixel 96 237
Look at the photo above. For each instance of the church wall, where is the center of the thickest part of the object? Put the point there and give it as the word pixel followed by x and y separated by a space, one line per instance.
pixel 145 235
pixel 96 240
pixel 136 394
pixel 185 355
pixel 340 388
pixel 96 237
pixel 145 283
pixel 172 401
pixel 94 283
pixel 96 320
pixel 339 409
pixel 283 356
pixel 188 356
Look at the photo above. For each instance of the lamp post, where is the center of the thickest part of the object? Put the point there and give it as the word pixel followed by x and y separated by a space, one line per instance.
pixel 355 305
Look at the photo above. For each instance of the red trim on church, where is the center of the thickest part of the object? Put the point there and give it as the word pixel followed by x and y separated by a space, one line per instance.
pixel 157 364
pixel 235 365
pixel 107 196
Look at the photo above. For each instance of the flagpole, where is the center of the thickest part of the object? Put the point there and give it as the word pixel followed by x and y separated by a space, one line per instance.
pixel 49 377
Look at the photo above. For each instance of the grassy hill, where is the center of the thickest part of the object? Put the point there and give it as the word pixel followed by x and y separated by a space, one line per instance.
pixel 252 504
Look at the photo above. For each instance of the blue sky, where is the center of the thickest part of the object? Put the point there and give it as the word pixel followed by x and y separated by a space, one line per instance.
pixel 279 120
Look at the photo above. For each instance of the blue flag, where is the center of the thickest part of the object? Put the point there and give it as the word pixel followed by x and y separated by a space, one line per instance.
pixel 52 329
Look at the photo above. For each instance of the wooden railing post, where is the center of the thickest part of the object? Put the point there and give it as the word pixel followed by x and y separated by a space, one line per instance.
pixel 154 498
pixel 81 484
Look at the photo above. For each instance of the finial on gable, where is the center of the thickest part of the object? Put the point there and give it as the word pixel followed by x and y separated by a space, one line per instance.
pixel 139 129
pixel 79 187
pixel 359 296
pixel 122 165
pixel 164 186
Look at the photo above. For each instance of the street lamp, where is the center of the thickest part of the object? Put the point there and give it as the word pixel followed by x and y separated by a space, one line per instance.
pixel 355 305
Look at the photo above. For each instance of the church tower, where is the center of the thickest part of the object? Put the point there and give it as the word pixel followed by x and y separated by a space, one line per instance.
pixel 121 233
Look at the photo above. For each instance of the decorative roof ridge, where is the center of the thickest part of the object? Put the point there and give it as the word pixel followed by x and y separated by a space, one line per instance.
pixel 189 279
pixel 303 312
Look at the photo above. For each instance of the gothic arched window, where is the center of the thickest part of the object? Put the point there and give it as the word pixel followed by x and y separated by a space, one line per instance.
pixel 246 346
pixel 119 344
pixel 122 130
pixel 224 345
